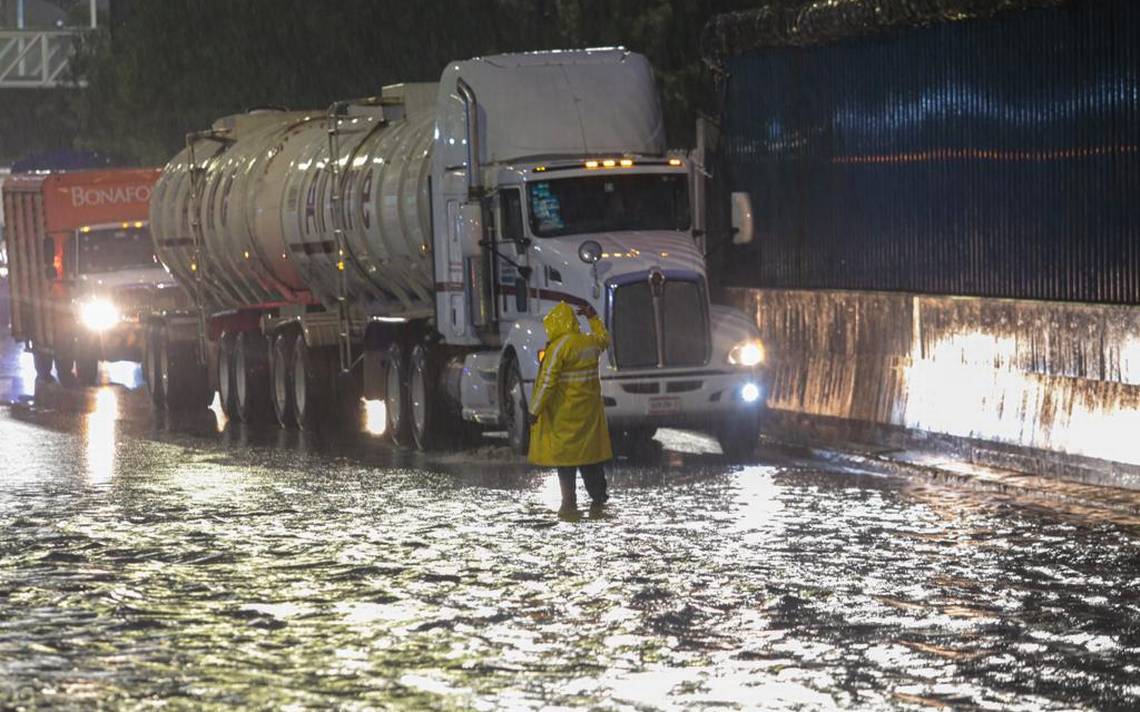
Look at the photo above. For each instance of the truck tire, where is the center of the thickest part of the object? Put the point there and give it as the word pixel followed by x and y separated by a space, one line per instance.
pixel 227 396
pixel 428 416
pixel 516 416
pixel 396 397
pixel 312 383
pixel 635 443
pixel 151 372
pixel 738 437
pixel 86 362
pixel 251 377
pixel 280 379
pixel 65 364
pixel 183 377
pixel 42 362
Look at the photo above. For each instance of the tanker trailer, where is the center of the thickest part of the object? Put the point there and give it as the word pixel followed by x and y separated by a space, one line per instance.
pixel 405 247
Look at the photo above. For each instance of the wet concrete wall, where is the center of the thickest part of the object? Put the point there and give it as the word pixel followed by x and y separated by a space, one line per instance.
pixel 1051 377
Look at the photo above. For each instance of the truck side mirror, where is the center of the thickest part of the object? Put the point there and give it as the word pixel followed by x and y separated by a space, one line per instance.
pixel 741 218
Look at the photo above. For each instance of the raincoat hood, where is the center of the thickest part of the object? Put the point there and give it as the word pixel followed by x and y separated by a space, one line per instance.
pixel 560 321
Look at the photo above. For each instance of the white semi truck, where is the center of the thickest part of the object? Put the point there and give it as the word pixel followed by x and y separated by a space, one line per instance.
pixel 405 247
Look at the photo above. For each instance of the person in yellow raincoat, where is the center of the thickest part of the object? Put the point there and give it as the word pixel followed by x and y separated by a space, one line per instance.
pixel 568 420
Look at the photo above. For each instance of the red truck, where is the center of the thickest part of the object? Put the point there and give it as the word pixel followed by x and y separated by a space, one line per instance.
pixel 82 267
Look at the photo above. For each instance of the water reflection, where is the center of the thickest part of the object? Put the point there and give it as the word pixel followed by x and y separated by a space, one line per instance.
pixel 266 568
pixel 99 436
pixel 375 417
pixel 125 373
pixel 220 419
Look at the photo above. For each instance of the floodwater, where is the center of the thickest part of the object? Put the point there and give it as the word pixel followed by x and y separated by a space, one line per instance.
pixel 143 562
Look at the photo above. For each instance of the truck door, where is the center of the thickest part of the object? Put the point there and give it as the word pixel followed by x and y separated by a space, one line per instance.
pixel 514 298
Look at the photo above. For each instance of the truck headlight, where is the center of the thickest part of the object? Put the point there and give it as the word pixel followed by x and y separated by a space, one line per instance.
pixel 99 314
pixel 747 353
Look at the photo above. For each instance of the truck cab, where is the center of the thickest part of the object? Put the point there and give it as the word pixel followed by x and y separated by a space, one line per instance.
pixel 112 276
pixel 574 198
pixel 83 267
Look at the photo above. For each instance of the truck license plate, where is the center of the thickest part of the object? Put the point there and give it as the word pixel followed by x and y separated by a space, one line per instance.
pixel 665 405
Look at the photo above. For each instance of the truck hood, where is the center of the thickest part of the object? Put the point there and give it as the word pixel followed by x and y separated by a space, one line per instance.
pixel 124 279
pixel 626 252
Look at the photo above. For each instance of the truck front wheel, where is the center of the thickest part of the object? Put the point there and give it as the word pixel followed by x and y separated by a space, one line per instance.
pixel 738 437
pixel 87 370
pixel 42 363
pixel 86 362
pixel 516 416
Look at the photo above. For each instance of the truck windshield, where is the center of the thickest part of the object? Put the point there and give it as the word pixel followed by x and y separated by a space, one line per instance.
pixel 113 249
pixel 609 202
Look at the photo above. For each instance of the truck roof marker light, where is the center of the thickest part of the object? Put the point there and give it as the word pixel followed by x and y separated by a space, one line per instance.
pixel 138 224
pixel 193 266
pixel 85 228
pixel 609 163
pixel 626 163
pixel 540 169
pixel 340 265
pixel 246 254
pixel 675 162
pixel 126 225
pixel 591 164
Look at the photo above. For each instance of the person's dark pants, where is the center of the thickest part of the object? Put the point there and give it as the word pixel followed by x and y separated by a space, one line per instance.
pixel 594 477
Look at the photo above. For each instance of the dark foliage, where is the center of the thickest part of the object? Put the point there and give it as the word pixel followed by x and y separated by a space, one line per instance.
pixel 166 68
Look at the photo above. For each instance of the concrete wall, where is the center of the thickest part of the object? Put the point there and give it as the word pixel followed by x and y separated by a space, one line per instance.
pixel 1054 377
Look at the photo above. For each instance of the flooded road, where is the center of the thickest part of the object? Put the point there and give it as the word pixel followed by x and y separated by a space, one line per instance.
pixel 207 566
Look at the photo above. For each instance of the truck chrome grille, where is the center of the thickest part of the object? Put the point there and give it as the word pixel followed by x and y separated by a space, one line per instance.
pixel 683 336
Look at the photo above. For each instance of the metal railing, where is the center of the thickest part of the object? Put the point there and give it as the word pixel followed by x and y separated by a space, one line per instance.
pixel 36 59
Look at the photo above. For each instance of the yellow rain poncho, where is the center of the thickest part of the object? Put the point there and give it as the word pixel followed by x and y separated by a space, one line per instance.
pixel 567 397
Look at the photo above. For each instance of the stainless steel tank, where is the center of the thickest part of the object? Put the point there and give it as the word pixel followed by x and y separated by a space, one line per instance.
pixel 255 220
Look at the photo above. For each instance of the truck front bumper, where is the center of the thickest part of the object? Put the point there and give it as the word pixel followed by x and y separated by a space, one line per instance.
pixel 701 399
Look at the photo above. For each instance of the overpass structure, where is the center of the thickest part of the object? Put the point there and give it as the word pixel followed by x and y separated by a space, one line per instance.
pixel 36 57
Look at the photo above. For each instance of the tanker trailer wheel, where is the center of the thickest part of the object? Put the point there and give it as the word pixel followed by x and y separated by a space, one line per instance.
pixel 152 375
pixel 183 377
pixel 226 387
pixel 397 399
pixel 280 379
pixel 251 377
pixel 312 383
pixel 516 416
pixel 429 421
